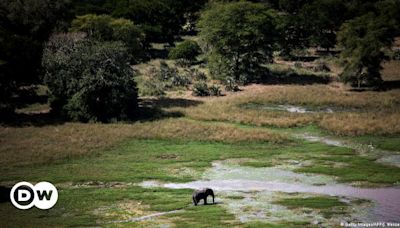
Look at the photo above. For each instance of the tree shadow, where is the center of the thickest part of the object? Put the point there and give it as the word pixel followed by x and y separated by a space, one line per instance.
pixel 165 102
pixel 153 108
pixel 293 78
pixel 149 110
pixel 157 53
pixel 390 85
pixel 33 119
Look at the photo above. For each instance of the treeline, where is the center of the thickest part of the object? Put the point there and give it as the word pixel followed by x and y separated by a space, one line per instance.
pixel 82 48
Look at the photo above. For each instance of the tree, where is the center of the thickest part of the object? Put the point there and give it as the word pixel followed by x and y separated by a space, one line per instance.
pixel 293 34
pixel 107 28
pixel 161 20
pixel 237 37
pixel 24 26
pixel 323 19
pixel 363 40
pixel 89 80
pixel 187 50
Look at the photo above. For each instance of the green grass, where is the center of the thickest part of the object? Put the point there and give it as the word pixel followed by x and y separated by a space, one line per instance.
pixel 326 205
pixel 136 160
pixel 181 161
pixel 317 202
pixel 385 143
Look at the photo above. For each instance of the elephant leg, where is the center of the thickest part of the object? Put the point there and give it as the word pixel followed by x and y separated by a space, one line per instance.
pixel 205 200
pixel 194 201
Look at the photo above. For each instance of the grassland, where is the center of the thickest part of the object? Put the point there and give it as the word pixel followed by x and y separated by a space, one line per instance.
pixel 97 166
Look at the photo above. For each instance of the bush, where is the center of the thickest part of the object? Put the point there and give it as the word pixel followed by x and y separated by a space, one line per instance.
pixel 183 63
pixel 88 80
pixel 214 90
pixel 298 65
pixel 396 55
pixel 180 81
pixel 321 66
pixel 170 76
pixel 165 72
pixel 187 50
pixel 152 88
pixel 231 85
pixel 195 74
pixel 200 89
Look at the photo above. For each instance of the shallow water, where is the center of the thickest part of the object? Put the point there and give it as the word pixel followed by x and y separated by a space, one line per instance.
pixel 291 108
pixel 234 178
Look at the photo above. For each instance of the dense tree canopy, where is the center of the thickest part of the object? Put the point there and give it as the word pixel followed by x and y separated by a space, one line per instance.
pixel 107 28
pixel 323 19
pixel 237 37
pixel 24 26
pixel 89 80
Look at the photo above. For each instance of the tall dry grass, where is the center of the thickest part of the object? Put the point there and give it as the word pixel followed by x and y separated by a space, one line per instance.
pixel 27 145
pixel 364 112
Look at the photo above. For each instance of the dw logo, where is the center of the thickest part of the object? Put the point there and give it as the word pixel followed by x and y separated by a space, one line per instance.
pixel 43 195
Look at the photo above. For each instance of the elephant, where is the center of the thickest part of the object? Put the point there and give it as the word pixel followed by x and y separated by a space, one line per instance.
pixel 202 194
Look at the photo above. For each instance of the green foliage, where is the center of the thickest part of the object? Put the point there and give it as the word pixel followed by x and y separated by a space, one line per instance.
pixel 238 37
pixel 195 74
pixel 200 89
pixel 89 81
pixel 323 19
pixel 214 90
pixel 164 78
pixel 152 88
pixel 396 54
pixel 107 28
pixel 187 50
pixel 161 20
pixel 231 85
pixel 24 27
pixel 321 66
pixel 363 40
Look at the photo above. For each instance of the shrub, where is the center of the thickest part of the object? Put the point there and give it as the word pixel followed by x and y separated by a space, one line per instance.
pixel 88 80
pixel 231 85
pixel 298 65
pixel 183 63
pixel 180 81
pixel 165 72
pixel 200 89
pixel 152 88
pixel 214 90
pixel 396 55
pixel 321 66
pixel 195 74
pixel 187 50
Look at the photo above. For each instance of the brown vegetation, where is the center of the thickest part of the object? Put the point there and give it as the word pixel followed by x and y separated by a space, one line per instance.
pixel 26 145
pixel 366 112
